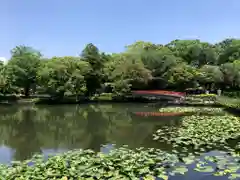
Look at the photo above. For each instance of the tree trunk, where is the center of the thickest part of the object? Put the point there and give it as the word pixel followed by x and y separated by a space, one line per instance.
pixel 27 91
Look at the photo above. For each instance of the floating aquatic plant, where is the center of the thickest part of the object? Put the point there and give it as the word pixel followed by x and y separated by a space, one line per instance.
pixel 189 109
pixel 202 133
pixel 196 110
pixel 121 163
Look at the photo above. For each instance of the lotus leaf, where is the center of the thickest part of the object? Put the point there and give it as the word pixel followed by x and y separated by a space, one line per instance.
pixel 202 133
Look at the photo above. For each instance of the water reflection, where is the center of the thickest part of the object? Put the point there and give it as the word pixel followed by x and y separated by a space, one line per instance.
pixel 28 130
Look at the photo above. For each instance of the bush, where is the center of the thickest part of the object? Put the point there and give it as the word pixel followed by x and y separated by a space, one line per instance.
pixel 103 97
pixel 9 97
pixel 234 94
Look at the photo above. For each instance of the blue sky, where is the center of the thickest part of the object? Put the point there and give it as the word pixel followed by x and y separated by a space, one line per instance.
pixel 61 27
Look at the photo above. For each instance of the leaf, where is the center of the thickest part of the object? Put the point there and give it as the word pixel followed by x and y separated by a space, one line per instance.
pixel 204 169
pixel 188 160
pixel 180 170
pixel 234 176
pixel 149 177
pixel 163 176
pixel 233 168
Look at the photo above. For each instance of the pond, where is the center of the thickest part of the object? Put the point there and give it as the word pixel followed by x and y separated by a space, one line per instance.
pixel 50 129
pixel 26 130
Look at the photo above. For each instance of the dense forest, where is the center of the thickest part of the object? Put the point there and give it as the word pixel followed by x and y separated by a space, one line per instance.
pixel 178 65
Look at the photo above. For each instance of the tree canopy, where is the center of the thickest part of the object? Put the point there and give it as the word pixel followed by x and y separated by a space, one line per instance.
pixel 179 64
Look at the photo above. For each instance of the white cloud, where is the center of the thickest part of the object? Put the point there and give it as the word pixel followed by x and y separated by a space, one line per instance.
pixel 3 59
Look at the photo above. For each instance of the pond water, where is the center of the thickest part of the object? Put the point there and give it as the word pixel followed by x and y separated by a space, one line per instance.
pixel 25 130
pixel 50 129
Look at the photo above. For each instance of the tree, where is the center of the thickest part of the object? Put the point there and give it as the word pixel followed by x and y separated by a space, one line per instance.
pixel 94 77
pixel 194 52
pixel 178 64
pixel 231 74
pixel 127 72
pixel 230 51
pixel 1 65
pixel 22 67
pixel 211 75
pixel 142 45
pixel 182 76
pixel 6 85
pixel 159 61
pixel 62 76
pixel 3 82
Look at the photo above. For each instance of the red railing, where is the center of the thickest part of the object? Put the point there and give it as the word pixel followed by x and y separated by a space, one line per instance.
pixel 159 92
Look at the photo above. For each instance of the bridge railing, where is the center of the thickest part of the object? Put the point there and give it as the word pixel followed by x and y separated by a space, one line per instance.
pixel 159 92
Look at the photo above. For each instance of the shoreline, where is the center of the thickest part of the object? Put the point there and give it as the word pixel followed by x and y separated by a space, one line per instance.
pixel 35 101
pixel 223 101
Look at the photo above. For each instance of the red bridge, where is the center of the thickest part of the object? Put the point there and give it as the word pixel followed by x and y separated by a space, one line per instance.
pixel 169 95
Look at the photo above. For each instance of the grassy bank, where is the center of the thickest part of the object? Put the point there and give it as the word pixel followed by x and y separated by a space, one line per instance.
pixel 45 99
pixel 229 102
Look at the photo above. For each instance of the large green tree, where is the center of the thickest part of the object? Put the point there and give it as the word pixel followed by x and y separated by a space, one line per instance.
pixel 127 72
pixel 194 52
pixel 94 77
pixel 62 76
pixel 231 74
pixel 210 76
pixel 230 51
pixel 178 64
pixel 23 66
pixel 182 76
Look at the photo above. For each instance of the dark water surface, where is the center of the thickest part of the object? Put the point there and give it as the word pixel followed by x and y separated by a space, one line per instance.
pixel 25 131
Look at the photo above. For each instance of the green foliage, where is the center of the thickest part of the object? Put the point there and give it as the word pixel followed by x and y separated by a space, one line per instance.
pixel 229 102
pixel 202 133
pixel 195 110
pixel 120 163
pixel 94 77
pixel 160 61
pixel 194 52
pixel 210 74
pixel 127 72
pixel 22 67
pixel 182 76
pixel 197 133
pixel 234 94
pixel 177 65
pixel 230 52
pixel 6 85
pixel 202 98
pixel 204 95
pixel 103 96
pixel 231 74
pixel 63 76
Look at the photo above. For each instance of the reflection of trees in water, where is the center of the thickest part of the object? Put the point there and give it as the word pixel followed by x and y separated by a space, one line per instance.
pixel 158 122
pixel 27 131
pixel 22 136
pixel 96 127
pixel 139 131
